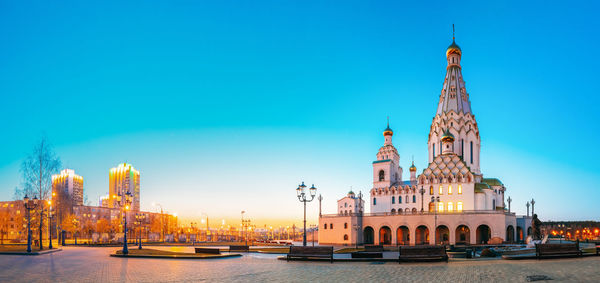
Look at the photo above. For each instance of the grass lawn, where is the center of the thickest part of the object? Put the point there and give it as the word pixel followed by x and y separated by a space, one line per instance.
pixel 19 248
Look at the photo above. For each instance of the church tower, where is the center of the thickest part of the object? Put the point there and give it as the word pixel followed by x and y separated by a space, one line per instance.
pixel 386 169
pixel 454 116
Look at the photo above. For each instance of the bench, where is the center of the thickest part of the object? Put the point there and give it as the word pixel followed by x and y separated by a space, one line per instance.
pixel 557 250
pixel 310 252
pixel 417 253
pixel 239 249
pixel 208 251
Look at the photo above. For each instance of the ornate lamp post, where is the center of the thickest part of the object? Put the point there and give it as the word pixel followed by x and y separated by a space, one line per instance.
pixel 302 197
pixel 422 191
pixel 140 218
pixel 128 198
pixel 434 200
pixel 50 214
pixel 532 207
pixel 29 204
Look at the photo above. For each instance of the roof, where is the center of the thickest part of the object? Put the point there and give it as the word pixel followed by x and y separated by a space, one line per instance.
pixel 447 164
pixel 454 95
pixel 379 161
pixel 479 187
pixel 492 181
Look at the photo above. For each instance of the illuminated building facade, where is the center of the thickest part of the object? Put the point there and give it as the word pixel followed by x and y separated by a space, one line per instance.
pixel 122 179
pixel 68 186
pixel 449 202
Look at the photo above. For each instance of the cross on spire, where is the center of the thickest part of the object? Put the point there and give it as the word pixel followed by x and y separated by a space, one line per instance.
pixel 453 32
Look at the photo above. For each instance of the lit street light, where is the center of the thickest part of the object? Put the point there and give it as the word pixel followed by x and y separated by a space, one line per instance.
pixel 128 198
pixel 302 197
pixel 29 205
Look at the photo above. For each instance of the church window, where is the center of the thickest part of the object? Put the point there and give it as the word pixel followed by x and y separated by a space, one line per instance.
pixel 399 199
pixel 394 200
pixel 431 207
pixel 414 199
pixel 440 147
pixel 450 207
pixel 346 204
pixel 459 206
pixel 450 189
pixel 440 207
pixel 460 189
pixel 345 237
pixel 345 225
pixel 325 226
pixel 493 204
pixel 441 190
pixel 330 225
pixel 471 152
pixel 431 190
pixel 462 148
pixel 407 199
pixel 374 201
pixel 381 175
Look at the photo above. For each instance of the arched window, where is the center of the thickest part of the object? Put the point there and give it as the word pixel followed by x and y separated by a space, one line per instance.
pixel 431 190
pixel 471 152
pixel 400 199
pixel 431 206
pixel 345 237
pixel 374 201
pixel 440 207
pixel 393 211
pixel 459 206
pixel 394 200
pixel 345 225
pixel 325 226
pixel 450 207
pixel 381 175
pixel 407 201
pixel 330 225
pixel 345 204
pixel 460 189
pixel 414 198
pixel 449 189
pixel 441 190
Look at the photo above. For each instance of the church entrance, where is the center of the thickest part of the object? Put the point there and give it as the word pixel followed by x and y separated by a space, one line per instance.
pixel 484 233
pixel 368 235
pixel 402 236
pixel 385 236
pixel 510 234
pixel 422 235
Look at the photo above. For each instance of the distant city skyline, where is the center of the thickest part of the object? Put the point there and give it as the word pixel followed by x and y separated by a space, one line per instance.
pixel 224 108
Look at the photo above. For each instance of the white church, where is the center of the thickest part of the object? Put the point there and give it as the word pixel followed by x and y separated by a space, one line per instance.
pixel 449 202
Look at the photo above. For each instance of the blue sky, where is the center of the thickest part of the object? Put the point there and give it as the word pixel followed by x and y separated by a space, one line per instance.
pixel 227 105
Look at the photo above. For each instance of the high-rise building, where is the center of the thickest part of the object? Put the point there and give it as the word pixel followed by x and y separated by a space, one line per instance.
pixel 68 186
pixel 122 179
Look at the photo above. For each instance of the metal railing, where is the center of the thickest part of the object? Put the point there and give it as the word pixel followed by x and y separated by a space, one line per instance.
pixel 410 213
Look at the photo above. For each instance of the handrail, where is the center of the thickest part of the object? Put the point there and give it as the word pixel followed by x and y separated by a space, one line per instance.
pixel 422 213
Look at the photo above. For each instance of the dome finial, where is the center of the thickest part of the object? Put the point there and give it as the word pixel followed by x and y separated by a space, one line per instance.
pixel 452 32
pixel 388 130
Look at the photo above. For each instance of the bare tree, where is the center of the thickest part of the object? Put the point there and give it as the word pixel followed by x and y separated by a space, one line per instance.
pixel 37 170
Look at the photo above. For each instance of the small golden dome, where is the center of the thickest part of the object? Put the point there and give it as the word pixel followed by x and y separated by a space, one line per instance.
pixel 453 49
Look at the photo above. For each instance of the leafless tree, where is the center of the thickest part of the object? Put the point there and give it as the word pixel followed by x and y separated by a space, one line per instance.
pixel 37 170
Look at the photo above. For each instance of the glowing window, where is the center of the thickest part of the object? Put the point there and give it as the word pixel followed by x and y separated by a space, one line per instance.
pixel 459 206
pixel 441 191
pixel 431 190
pixel 441 207
pixel 450 189
pixel 450 207
pixel 460 189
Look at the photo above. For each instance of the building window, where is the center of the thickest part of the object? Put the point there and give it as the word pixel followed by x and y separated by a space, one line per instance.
pixel 450 207
pixel 345 225
pixel 460 189
pixel 381 175
pixel 441 190
pixel 471 152
pixel 433 150
pixel 440 207
pixel 325 226
pixel 407 199
pixel 345 237
pixel 431 190
pixel 414 199
pixel 345 204
pixel 449 189
pixel 399 200
pixel 394 200
pixel 459 206
pixel 330 225
pixel 493 204
pixel 374 201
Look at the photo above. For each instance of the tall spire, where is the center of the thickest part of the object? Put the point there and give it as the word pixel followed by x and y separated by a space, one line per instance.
pixel 452 32
pixel 454 96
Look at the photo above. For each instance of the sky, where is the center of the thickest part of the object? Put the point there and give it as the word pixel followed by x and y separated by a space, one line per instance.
pixel 226 106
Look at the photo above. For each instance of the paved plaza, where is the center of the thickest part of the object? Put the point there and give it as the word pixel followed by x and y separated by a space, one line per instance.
pixel 79 264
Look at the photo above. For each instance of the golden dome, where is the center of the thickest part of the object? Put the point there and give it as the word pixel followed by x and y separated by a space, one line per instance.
pixel 453 49
pixel 447 137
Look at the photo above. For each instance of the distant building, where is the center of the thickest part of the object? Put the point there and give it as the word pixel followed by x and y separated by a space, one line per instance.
pixel 12 220
pixel 104 201
pixel 122 179
pixel 68 186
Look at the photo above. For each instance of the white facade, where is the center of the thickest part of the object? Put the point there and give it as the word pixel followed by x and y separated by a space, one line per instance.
pixel 450 194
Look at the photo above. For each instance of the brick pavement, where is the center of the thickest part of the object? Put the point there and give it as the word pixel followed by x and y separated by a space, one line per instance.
pixel 77 264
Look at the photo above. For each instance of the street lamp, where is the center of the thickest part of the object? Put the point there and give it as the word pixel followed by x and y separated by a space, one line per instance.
pixel 434 200
pixel 245 224
pixel 422 191
pixel 29 204
pixel 50 214
pixel 301 193
pixel 140 217
pixel 162 225
pixel 128 198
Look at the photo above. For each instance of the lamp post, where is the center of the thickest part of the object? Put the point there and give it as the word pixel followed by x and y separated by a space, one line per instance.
pixel 434 200
pixel 50 212
pixel 313 227
pixel 140 217
pixel 162 225
pixel 422 191
pixel 302 197
pixel 29 204
pixel 127 203
pixel 245 224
